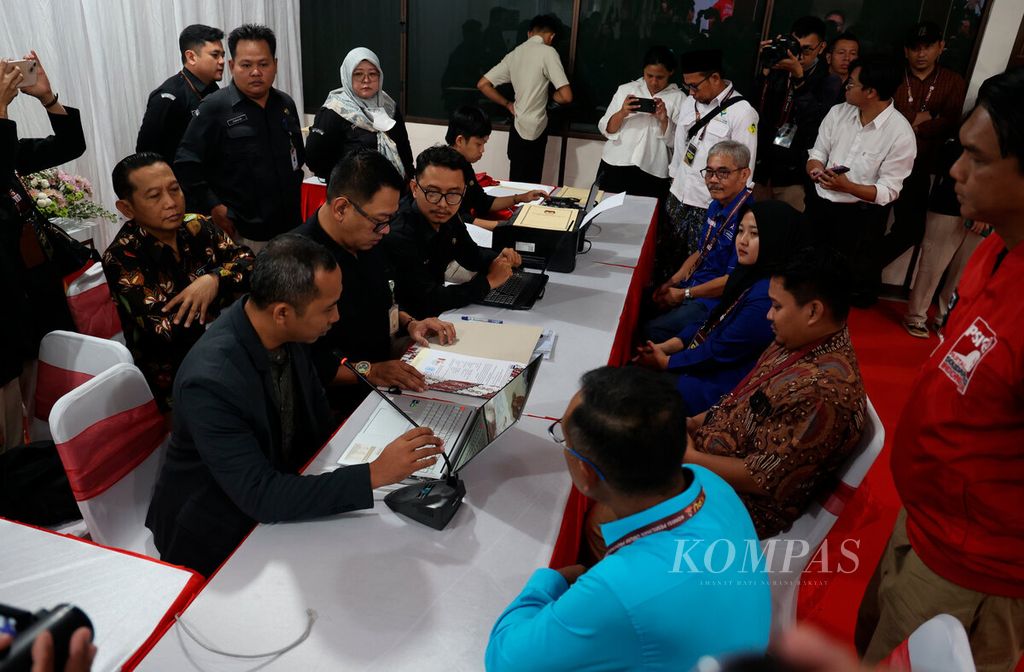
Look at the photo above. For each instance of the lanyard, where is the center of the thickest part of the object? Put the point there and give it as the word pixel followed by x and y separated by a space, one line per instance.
pixel 750 383
pixel 696 112
pixel 709 241
pixel 928 96
pixel 191 85
pixel 708 327
pixel 667 523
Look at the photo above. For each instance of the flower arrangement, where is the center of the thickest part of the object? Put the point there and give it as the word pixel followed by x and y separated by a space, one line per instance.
pixel 60 194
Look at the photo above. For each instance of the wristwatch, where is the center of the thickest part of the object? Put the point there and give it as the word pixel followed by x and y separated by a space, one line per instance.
pixel 686 294
pixel 362 368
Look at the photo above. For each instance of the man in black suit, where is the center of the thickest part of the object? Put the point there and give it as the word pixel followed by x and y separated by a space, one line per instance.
pixel 250 412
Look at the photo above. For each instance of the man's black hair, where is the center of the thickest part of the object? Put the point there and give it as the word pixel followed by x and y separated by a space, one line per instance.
pixel 285 270
pixel 881 73
pixel 468 121
pixel 818 273
pixel 443 156
pixel 123 186
pixel 195 36
pixel 254 32
pixel 843 36
pixel 632 423
pixel 545 23
pixel 809 25
pixel 361 174
pixel 1000 95
pixel 659 54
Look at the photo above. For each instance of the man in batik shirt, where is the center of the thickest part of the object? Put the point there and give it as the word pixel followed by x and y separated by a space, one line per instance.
pixel 782 435
pixel 169 273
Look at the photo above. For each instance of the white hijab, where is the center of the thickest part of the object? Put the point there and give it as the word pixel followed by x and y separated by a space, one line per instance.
pixel 374 114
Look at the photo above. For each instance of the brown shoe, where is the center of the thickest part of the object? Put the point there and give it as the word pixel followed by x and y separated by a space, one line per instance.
pixel 916 330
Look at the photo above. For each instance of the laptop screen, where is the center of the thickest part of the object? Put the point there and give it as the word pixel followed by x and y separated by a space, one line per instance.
pixel 498 414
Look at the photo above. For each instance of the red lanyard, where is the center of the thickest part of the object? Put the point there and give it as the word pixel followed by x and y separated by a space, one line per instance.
pixel 667 523
pixel 709 242
pixel 707 327
pixel 749 384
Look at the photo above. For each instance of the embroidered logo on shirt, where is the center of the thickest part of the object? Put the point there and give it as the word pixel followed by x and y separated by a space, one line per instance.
pixel 752 129
pixel 963 358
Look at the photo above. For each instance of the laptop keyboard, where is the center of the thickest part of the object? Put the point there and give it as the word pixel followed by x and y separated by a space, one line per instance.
pixel 507 293
pixel 445 420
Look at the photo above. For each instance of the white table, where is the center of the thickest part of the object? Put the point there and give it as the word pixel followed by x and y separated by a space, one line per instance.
pixel 125 596
pixel 392 594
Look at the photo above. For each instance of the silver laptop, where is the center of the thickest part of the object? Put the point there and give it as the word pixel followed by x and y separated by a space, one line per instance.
pixel 466 430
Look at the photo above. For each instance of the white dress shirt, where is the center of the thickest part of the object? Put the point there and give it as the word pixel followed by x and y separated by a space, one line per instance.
pixel 530 67
pixel 738 123
pixel 880 153
pixel 639 141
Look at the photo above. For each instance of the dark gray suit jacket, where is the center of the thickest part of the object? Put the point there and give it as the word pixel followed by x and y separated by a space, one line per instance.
pixel 224 470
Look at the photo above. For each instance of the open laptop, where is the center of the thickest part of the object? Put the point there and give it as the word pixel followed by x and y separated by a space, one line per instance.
pixel 466 430
pixel 524 289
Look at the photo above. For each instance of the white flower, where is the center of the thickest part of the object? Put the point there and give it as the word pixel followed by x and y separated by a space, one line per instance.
pixel 43 202
pixel 44 184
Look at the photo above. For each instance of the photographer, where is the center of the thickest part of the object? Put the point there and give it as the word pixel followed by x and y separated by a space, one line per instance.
pixel 28 275
pixel 797 91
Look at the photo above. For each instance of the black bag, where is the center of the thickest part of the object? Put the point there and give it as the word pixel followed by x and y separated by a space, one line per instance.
pixel 67 254
pixel 33 486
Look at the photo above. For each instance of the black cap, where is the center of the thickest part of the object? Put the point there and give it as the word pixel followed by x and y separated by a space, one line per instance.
pixel 926 32
pixel 704 60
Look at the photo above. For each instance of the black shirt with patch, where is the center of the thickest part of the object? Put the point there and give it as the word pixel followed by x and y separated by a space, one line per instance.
pixel 169 109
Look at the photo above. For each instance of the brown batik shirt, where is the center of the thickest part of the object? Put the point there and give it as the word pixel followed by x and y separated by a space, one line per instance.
pixel 794 425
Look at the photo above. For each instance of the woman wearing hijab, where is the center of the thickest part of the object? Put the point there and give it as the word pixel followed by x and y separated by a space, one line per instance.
pixel 357 115
pixel 710 359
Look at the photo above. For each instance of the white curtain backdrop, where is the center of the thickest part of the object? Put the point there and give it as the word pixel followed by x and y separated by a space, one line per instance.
pixel 105 56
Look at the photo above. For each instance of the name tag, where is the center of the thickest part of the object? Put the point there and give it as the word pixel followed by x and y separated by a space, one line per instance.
pixel 237 120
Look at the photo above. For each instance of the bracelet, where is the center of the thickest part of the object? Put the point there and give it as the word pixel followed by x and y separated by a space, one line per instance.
pixel 53 102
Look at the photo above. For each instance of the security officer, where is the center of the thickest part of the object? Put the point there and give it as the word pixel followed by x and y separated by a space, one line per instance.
pixel 173 104
pixel 241 157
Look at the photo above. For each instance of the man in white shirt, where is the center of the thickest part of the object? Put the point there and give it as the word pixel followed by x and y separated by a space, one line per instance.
pixel 864 151
pixel 530 67
pixel 714 112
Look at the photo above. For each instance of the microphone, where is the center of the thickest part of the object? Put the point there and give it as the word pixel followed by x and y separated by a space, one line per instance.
pixel 431 502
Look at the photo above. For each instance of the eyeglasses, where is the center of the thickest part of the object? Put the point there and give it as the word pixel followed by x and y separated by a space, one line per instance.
pixel 558 436
pixel 434 197
pixel 852 85
pixel 808 49
pixel 378 225
pixel 720 173
pixel 694 87
pixel 372 76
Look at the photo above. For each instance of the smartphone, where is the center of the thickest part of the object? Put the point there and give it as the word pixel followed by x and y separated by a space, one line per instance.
pixel 644 105
pixel 28 69
pixel 839 170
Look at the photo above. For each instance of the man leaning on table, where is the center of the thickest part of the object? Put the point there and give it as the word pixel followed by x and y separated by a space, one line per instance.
pixel 250 412
pixel 668 591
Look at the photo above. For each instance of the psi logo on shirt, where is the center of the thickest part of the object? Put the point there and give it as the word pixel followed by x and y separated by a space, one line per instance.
pixel 963 358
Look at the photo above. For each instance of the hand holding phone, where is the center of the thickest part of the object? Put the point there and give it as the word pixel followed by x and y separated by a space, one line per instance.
pixel 28 71
pixel 839 170
pixel 644 105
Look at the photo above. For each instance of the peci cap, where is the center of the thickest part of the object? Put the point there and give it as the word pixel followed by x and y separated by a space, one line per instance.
pixel 926 32
pixel 704 60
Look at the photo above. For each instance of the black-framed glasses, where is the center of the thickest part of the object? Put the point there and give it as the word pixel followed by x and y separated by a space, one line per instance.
pixel 808 49
pixel 378 225
pixel 694 87
pixel 558 436
pixel 720 173
pixel 434 197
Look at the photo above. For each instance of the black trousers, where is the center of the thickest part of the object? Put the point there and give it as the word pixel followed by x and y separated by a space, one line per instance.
pixel 854 230
pixel 909 212
pixel 526 157
pixel 632 180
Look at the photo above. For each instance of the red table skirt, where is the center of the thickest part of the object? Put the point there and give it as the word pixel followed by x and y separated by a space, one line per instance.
pixel 313 196
pixel 567 546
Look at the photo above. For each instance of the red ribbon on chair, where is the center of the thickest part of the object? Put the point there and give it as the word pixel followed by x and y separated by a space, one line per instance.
pixel 839 498
pixel 104 452
pixel 52 384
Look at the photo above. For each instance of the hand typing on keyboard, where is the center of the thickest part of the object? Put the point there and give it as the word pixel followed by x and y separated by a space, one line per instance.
pixel 499 272
pixel 412 451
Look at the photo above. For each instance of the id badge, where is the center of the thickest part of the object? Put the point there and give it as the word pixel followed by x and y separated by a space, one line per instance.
pixel 393 319
pixel 691 154
pixel 295 156
pixel 785 135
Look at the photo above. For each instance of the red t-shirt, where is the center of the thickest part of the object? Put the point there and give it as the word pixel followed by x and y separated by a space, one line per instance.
pixel 958 451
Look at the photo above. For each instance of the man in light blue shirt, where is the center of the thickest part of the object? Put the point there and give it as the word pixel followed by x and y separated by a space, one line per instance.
pixel 682 577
